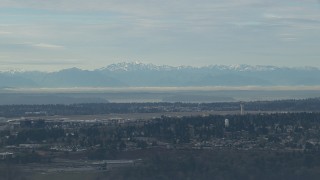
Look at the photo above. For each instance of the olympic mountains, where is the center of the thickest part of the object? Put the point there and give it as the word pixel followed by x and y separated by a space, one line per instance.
pixel 135 74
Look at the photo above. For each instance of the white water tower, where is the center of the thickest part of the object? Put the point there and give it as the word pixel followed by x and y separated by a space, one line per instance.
pixel 226 123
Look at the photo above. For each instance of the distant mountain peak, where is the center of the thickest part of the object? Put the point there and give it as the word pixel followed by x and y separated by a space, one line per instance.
pixel 13 71
pixel 71 69
pixel 135 66
pixel 138 66
pixel 244 67
pixel 137 74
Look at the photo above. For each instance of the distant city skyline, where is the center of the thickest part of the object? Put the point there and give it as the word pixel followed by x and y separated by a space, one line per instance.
pixel 59 34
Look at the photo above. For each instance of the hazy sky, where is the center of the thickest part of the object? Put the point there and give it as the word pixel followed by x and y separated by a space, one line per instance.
pixel 55 34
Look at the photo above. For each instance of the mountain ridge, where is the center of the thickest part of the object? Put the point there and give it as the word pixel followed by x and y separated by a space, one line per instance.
pixel 136 74
pixel 135 66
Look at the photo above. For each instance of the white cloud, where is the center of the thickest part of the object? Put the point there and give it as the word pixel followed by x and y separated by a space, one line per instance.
pixel 34 45
pixel 5 33
pixel 47 46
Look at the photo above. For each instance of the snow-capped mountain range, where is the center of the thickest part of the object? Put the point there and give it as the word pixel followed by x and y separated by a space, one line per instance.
pixel 138 66
pixel 141 75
